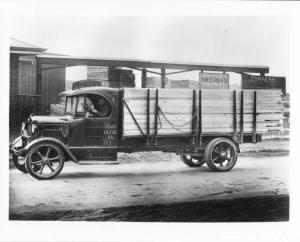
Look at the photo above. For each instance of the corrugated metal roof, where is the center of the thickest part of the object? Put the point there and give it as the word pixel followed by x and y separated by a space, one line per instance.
pixel 16 44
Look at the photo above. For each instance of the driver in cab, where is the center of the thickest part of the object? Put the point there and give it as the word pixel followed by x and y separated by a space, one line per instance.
pixel 101 109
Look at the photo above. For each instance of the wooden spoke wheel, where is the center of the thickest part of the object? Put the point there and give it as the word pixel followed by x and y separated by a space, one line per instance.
pixel 44 160
pixel 220 154
pixel 192 161
pixel 19 163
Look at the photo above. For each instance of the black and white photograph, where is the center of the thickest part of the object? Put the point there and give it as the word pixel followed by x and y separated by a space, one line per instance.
pixel 163 119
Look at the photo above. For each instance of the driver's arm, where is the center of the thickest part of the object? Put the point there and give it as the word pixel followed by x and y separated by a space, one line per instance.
pixel 92 111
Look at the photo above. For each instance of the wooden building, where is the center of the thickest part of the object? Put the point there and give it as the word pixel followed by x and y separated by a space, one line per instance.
pixel 27 95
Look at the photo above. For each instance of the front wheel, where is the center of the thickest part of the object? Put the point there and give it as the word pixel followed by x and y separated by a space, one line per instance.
pixel 220 154
pixel 192 161
pixel 19 163
pixel 45 160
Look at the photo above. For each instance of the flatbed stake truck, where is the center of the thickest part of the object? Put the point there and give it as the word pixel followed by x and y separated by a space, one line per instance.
pixel 202 126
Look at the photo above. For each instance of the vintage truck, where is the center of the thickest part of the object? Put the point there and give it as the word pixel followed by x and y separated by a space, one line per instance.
pixel 202 126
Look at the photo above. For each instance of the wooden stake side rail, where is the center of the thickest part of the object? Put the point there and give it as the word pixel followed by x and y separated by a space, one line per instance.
pixel 194 118
pixel 234 117
pixel 155 117
pixel 200 119
pixel 254 119
pixel 148 117
pixel 242 118
pixel 121 113
pixel 239 112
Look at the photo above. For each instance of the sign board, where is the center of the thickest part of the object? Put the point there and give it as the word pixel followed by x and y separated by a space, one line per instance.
pixel 263 82
pixel 213 81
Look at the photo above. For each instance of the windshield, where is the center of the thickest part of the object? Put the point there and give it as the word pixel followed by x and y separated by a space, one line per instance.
pixel 71 104
pixel 89 105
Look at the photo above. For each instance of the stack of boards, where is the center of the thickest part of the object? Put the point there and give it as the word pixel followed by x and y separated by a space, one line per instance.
pixel 111 76
pixel 217 111
pixel 57 109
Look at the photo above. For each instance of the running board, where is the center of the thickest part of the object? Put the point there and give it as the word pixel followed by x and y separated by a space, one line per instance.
pixel 93 162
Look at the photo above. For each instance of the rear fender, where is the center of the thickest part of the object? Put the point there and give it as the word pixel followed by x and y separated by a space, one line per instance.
pixel 53 140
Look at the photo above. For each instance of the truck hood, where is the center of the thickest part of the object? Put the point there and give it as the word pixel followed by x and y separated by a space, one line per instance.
pixel 51 119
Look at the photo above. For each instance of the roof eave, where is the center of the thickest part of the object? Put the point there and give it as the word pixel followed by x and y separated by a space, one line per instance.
pixel 15 48
pixel 132 63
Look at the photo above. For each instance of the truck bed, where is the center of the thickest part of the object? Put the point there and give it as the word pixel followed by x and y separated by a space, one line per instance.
pixel 221 111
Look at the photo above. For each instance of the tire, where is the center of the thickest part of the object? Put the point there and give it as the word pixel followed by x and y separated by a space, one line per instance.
pixel 192 161
pixel 18 163
pixel 221 154
pixel 45 155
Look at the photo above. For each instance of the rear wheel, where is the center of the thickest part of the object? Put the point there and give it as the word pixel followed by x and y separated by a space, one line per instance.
pixel 220 154
pixel 45 160
pixel 192 161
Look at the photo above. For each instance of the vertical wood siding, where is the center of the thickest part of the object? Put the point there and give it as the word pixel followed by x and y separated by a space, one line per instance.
pixel 27 75
pixel 24 96
pixel 53 83
pixel 13 96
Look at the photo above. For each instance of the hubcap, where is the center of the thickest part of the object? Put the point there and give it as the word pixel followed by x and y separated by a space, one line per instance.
pixel 222 155
pixel 45 161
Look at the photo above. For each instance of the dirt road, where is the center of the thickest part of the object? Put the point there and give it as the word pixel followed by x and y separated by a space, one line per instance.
pixel 81 187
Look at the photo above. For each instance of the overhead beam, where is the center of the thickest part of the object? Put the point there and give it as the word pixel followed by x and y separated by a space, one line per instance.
pixel 131 63
pixel 176 72
pixel 56 67
pixel 242 73
pixel 141 69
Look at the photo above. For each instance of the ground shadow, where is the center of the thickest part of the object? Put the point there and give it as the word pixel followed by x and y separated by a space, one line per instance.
pixel 86 175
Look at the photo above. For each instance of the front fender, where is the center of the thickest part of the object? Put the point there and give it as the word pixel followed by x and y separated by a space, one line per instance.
pixel 16 142
pixel 56 141
pixel 16 146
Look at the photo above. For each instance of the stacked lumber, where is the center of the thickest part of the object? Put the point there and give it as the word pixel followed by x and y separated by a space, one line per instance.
pixel 85 83
pixel 183 84
pixel 111 76
pixel 57 109
pixel 217 111
pixel 68 84
pixel 118 77
pixel 97 72
pixel 154 82
pixel 61 100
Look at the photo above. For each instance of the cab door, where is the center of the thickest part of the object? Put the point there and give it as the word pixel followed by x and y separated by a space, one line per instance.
pixel 101 132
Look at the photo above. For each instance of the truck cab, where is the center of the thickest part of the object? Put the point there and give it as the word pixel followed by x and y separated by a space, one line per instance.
pixel 94 123
pixel 88 130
